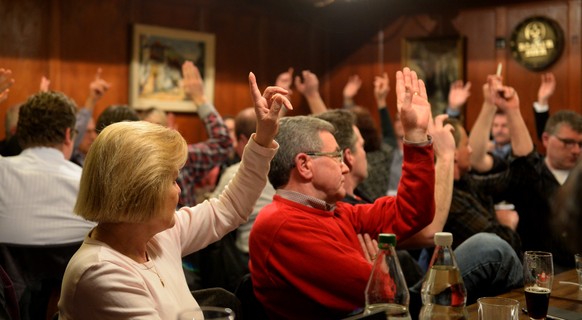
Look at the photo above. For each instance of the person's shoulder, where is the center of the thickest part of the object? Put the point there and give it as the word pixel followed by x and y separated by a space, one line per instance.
pixel 94 256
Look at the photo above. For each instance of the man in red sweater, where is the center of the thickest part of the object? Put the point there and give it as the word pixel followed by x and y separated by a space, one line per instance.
pixel 305 258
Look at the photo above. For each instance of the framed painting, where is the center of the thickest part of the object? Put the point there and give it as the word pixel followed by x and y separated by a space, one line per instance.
pixel 438 62
pixel 156 67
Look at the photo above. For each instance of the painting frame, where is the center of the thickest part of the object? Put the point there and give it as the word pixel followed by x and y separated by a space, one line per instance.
pixel 438 61
pixel 155 77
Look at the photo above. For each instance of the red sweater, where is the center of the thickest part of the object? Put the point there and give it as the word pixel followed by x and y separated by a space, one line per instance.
pixel 307 263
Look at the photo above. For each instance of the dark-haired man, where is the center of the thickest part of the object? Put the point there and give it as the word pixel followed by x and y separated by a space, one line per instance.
pixel 39 186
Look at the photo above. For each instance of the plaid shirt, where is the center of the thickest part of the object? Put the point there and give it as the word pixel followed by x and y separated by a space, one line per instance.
pixel 203 156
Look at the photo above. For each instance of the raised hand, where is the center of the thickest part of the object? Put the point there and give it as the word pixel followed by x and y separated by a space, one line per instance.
pixel 267 108
pixel 491 89
pixel 6 81
pixel 381 89
pixel 45 84
pixel 310 84
pixel 352 87
pixel 285 80
pixel 413 105
pixel 97 89
pixel 98 86
pixel 193 84
pixel 442 137
pixel 458 94
pixel 506 98
pixel 547 88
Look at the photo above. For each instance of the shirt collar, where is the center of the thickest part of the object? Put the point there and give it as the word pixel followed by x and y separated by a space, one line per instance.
pixel 305 200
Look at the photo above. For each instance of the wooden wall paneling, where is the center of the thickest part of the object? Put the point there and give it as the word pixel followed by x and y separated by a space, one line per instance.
pixel 574 55
pixel 527 82
pixel 481 57
pixel 237 54
pixel 95 34
pixel 54 36
pixel 24 48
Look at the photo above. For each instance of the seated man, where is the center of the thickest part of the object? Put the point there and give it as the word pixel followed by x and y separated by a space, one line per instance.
pixel 488 264
pixel 535 180
pixel 306 260
pixel 40 186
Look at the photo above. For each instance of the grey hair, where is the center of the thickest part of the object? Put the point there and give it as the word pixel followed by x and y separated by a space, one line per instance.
pixel 569 117
pixel 296 134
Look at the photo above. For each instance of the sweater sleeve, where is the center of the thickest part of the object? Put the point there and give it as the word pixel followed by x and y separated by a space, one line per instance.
pixel 412 208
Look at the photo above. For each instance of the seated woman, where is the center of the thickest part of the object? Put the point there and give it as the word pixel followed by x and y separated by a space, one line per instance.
pixel 129 265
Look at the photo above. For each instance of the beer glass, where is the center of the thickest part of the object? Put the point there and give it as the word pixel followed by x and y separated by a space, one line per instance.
pixel 538 275
pixel 207 313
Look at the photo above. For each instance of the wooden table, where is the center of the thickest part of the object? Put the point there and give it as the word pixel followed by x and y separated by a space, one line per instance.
pixel 563 296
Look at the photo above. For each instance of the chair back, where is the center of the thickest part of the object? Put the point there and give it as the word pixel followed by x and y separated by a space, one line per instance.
pixel 37 273
pixel 8 302
pixel 251 306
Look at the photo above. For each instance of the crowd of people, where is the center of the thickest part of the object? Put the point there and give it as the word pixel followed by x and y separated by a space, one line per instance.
pixel 294 201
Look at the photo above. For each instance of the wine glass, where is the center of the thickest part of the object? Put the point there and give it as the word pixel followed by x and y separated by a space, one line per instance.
pixel 538 275
pixel 207 313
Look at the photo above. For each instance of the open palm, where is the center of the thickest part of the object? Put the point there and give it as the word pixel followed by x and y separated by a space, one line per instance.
pixel 413 105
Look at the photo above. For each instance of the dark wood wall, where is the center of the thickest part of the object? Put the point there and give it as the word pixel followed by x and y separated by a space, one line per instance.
pixel 67 40
pixel 480 27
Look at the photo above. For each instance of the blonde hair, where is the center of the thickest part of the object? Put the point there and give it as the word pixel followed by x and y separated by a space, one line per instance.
pixel 128 171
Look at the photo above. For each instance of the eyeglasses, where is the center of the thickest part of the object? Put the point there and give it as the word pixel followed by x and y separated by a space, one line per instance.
pixel 338 155
pixel 570 143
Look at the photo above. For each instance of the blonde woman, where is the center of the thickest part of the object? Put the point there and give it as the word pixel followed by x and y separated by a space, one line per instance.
pixel 129 266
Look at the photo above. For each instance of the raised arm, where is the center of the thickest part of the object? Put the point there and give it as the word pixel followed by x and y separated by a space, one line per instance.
pixel 458 95
pixel 285 80
pixel 444 146
pixel 413 105
pixel 45 84
pixel 202 156
pixel 381 90
pixel 481 161
pixel 268 111
pixel 541 106
pixel 6 81
pixel 351 90
pixel 508 101
pixel 309 88
pixel 97 88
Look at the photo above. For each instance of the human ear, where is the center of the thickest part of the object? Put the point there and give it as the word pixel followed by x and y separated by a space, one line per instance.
pixel 304 165
pixel 349 158
pixel 545 138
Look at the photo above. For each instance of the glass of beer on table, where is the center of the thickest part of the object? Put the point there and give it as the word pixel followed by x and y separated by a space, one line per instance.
pixel 538 275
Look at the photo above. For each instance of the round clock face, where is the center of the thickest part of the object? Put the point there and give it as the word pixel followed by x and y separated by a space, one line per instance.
pixel 537 42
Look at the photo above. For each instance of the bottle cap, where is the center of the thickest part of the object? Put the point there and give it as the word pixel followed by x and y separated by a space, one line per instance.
pixel 386 238
pixel 443 238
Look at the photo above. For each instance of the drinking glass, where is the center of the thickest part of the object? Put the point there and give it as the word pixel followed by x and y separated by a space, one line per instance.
pixel 578 258
pixel 492 308
pixel 207 313
pixel 538 275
